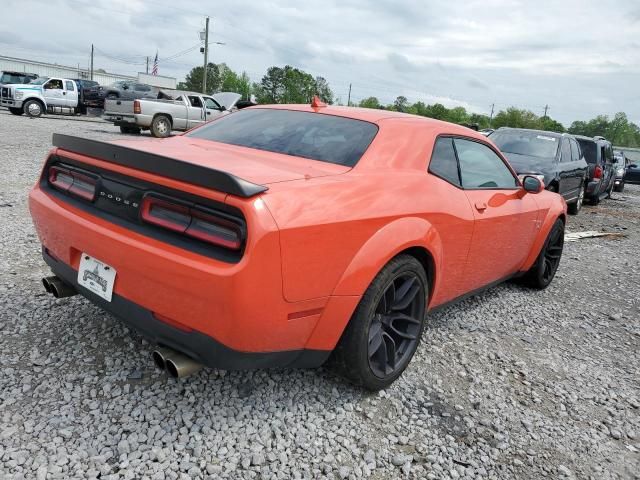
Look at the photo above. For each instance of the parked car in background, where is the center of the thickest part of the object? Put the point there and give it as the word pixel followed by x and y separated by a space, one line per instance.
pixel 599 155
pixel 8 77
pixel 43 95
pixel 620 166
pixel 128 90
pixel 278 236
pixel 554 158
pixel 89 93
pixel 633 174
pixel 172 110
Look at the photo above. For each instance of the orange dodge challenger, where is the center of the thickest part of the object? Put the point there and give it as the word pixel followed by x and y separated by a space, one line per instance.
pixel 278 235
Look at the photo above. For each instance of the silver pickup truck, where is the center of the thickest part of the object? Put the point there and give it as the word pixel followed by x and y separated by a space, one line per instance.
pixel 172 110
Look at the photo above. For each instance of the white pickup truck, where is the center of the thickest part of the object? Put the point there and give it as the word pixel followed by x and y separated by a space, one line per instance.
pixel 50 95
pixel 172 110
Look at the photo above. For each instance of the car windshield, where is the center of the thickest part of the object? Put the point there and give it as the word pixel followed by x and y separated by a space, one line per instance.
pixel 11 78
pixel 327 138
pixel 590 150
pixel 533 144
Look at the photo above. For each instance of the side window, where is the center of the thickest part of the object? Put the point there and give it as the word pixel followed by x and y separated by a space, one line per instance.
pixel 481 167
pixel 70 86
pixel 195 101
pixel 211 104
pixel 566 151
pixel 443 161
pixel 609 153
pixel 575 150
pixel 53 84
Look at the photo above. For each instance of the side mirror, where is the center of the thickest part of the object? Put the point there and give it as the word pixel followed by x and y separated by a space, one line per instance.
pixel 532 184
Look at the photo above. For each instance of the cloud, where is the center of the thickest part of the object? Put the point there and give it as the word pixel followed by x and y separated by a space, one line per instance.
pixel 507 52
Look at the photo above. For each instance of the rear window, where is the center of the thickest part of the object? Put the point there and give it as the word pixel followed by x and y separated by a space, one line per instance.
pixel 590 150
pixel 534 144
pixel 315 136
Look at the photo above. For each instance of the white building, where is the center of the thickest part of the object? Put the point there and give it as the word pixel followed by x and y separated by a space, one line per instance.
pixel 54 70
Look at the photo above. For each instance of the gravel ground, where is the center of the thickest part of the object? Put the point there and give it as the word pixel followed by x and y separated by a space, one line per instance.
pixel 512 383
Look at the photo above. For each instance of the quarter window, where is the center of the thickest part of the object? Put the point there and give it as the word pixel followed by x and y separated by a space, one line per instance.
pixel 566 151
pixel 443 161
pixel 575 151
pixel 481 167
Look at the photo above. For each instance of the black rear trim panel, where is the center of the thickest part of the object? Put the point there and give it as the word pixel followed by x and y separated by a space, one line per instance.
pixel 196 345
pixel 159 165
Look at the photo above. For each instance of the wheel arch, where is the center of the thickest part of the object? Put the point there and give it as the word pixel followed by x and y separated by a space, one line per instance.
pixel 36 99
pixel 162 114
pixel 410 235
pixel 553 214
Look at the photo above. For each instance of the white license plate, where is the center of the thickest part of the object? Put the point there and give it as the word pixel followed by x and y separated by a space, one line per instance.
pixel 96 276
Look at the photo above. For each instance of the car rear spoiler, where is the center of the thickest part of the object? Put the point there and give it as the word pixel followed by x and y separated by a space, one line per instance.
pixel 159 165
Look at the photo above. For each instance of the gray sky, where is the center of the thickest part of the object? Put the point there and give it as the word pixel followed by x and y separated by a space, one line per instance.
pixel 581 57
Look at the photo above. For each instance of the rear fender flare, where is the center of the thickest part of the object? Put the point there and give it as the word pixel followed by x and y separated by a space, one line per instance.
pixel 386 243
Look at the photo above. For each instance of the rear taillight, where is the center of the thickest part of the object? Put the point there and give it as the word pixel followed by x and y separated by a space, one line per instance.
pixel 193 221
pixel 136 106
pixel 73 182
pixel 597 173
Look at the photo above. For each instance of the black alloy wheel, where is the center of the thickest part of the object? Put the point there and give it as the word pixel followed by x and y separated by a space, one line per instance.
pixel 396 324
pixel 544 269
pixel 385 329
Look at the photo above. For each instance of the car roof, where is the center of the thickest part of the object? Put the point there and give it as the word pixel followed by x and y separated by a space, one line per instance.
pixel 592 139
pixel 379 117
pixel 532 130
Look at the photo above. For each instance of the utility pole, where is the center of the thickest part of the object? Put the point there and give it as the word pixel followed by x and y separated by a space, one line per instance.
pixel 206 56
pixel 349 97
pixel 91 75
pixel 491 116
pixel 147 65
pixel 546 108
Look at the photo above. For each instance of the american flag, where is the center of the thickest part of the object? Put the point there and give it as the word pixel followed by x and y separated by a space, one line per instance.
pixel 154 70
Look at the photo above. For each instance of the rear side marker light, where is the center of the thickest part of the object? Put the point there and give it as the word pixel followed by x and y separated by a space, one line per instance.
pixel 192 222
pixel 75 183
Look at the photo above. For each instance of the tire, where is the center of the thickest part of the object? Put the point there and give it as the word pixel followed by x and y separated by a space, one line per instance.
pixel 610 190
pixel 575 207
pixel 33 108
pixel 620 188
pixel 16 111
pixel 356 356
pixel 161 126
pixel 544 269
pixel 112 96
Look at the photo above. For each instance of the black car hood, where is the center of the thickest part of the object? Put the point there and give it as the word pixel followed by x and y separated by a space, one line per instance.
pixel 529 164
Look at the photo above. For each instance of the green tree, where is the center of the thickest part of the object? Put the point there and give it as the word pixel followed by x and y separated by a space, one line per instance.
pixel 291 85
pixel 400 104
pixel 193 80
pixel 370 102
pixel 516 118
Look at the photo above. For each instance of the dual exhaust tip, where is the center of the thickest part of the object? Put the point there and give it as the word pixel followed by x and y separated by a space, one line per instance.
pixel 56 287
pixel 174 363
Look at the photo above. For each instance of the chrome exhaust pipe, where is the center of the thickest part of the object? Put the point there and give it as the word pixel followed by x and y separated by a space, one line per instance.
pixel 58 288
pixel 159 356
pixel 179 366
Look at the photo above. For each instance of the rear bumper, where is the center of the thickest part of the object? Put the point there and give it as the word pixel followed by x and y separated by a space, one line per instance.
pixel 593 188
pixel 196 345
pixel 119 119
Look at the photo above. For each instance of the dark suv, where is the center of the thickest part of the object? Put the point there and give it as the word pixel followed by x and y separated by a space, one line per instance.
pixel 125 90
pixel 555 158
pixel 602 174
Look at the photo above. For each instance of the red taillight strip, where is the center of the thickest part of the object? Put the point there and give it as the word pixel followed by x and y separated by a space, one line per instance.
pixel 192 221
pixel 73 182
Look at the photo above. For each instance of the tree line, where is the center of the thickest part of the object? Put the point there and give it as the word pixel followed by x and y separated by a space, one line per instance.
pixel 292 85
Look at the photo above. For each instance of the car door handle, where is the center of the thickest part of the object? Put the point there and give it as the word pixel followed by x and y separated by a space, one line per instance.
pixel 64 93
pixel 481 206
